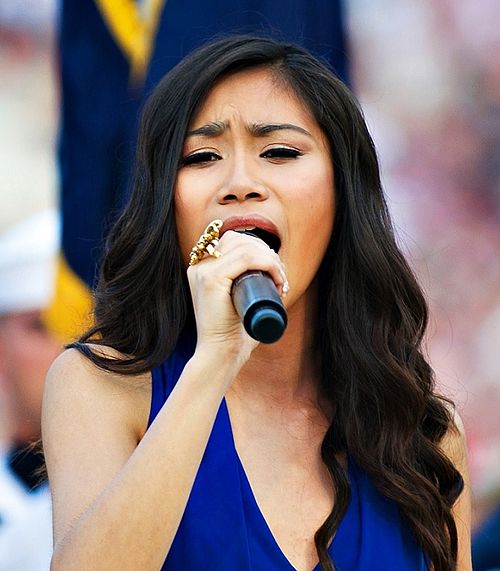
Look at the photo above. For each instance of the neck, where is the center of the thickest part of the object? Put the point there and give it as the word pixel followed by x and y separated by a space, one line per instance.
pixel 289 370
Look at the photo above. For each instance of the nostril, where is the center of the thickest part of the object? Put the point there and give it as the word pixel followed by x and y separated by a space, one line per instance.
pixel 229 197
pixel 236 197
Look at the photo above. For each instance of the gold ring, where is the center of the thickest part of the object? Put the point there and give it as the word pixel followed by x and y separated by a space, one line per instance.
pixel 207 243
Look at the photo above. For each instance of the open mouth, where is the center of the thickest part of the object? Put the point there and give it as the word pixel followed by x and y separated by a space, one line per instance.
pixel 269 238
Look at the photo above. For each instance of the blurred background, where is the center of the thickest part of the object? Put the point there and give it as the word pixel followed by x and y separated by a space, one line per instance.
pixel 428 76
pixel 427 73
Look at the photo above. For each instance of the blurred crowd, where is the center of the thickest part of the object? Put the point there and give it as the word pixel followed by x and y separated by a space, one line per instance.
pixel 428 76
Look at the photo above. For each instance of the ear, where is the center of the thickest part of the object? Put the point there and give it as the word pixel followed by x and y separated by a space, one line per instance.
pixel 3 334
pixel 4 347
pixel 3 383
pixel 5 407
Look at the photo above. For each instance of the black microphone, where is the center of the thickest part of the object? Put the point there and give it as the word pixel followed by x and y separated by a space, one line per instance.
pixel 257 302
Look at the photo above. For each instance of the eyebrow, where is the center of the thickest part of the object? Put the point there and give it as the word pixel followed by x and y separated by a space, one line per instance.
pixel 208 130
pixel 217 128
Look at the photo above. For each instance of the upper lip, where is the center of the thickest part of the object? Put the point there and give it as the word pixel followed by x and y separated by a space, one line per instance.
pixel 253 221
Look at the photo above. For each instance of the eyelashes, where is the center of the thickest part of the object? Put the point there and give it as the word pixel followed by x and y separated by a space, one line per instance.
pixel 281 153
pixel 205 157
pixel 200 158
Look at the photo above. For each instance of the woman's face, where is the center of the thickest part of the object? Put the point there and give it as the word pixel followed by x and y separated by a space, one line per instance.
pixel 254 149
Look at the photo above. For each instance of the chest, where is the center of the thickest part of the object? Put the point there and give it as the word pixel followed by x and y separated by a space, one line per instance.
pixel 290 486
pixel 224 526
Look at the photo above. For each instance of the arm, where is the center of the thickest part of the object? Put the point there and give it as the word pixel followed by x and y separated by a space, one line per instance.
pixel 117 504
pixel 119 494
pixel 455 447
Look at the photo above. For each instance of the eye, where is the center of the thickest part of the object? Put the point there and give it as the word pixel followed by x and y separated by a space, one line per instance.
pixel 281 153
pixel 200 158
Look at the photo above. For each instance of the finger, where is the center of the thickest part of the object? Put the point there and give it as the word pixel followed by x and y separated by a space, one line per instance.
pixel 231 239
pixel 238 257
pixel 233 264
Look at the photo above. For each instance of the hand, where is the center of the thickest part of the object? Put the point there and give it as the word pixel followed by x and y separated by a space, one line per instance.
pixel 218 324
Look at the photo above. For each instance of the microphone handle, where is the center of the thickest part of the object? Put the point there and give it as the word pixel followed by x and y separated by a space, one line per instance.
pixel 257 302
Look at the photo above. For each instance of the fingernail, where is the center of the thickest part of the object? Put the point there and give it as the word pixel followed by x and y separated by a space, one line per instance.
pixel 285 288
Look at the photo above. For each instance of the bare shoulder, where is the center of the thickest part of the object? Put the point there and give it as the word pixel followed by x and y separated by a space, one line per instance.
pixel 74 381
pixel 454 446
pixel 92 421
pixel 454 442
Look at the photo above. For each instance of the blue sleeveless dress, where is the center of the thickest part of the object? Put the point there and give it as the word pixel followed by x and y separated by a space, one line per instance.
pixel 223 529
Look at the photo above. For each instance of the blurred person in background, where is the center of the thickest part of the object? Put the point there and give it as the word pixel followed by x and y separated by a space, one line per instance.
pixel 27 264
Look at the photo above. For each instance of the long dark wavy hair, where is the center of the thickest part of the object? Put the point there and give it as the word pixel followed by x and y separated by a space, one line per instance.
pixel 373 314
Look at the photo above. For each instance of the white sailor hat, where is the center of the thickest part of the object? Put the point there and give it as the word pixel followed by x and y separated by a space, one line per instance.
pixel 28 253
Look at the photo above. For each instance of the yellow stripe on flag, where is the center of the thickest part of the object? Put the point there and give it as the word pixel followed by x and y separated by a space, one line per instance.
pixel 134 28
pixel 70 312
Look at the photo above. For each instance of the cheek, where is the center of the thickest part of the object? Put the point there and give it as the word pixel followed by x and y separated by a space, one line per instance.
pixel 315 199
pixel 312 221
pixel 187 211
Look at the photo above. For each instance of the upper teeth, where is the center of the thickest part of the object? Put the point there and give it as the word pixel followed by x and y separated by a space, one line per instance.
pixel 245 228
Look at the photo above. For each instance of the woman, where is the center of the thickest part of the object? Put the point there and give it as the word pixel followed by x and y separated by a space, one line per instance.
pixel 170 433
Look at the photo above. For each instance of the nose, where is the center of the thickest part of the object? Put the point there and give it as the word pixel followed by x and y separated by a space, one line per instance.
pixel 241 185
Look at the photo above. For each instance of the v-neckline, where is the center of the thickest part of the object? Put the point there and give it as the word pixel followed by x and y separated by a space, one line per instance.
pixel 277 548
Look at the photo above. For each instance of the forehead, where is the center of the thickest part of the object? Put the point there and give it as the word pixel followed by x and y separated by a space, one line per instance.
pixel 257 96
